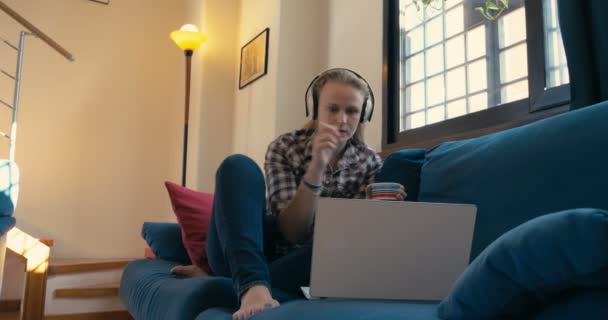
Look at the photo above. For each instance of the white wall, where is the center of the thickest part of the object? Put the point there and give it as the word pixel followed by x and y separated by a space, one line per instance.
pixel 214 98
pixel 256 104
pixel 355 42
pixel 98 137
pixel 302 55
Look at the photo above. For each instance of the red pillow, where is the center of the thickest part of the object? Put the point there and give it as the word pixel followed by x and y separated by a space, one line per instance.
pixel 193 211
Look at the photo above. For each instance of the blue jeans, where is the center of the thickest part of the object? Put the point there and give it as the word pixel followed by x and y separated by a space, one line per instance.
pixel 238 234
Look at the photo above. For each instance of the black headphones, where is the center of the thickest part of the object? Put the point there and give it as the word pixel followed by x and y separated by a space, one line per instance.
pixel 312 98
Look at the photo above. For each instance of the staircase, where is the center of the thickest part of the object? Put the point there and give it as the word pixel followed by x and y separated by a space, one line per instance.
pixel 84 289
pixel 57 289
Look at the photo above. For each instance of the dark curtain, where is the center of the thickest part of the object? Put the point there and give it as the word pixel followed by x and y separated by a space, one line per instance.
pixel 584 25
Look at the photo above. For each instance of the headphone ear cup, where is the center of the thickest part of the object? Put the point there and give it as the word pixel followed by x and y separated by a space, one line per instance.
pixel 309 100
pixel 363 112
pixel 315 107
pixel 368 108
pixel 309 104
pixel 370 104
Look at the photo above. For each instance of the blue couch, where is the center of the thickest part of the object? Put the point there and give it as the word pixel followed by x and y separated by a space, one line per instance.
pixel 9 191
pixel 512 176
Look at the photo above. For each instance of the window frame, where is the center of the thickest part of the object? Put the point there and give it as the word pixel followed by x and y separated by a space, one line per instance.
pixel 540 103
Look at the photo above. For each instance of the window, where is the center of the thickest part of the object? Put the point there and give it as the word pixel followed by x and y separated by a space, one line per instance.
pixel 451 71
pixel 555 60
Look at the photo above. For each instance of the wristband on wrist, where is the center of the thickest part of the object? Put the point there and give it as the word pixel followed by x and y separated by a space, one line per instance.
pixel 313 188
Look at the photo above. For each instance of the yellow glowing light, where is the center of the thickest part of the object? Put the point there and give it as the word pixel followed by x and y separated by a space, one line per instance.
pixel 188 38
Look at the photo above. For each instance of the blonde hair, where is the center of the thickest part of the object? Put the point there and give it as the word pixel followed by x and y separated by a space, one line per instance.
pixel 346 77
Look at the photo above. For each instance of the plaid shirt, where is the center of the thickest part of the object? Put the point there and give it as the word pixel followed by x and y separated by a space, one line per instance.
pixel 287 160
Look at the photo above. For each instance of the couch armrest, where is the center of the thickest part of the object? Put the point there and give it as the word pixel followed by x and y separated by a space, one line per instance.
pixel 165 240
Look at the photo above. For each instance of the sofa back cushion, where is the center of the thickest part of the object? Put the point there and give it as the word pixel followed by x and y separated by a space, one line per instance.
pixel 518 174
pixel 404 167
pixel 165 241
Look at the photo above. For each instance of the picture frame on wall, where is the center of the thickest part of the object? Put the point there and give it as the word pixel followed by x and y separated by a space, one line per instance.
pixel 254 59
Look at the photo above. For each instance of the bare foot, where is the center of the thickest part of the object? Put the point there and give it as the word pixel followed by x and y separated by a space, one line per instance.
pixel 255 300
pixel 191 271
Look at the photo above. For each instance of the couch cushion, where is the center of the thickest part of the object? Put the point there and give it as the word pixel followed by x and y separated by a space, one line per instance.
pixel 337 309
pixel 588 305
pixel 531 265
pixel 6 224
pixel 404 167
pixel 151 292
pixel 516 175
pixel 165 240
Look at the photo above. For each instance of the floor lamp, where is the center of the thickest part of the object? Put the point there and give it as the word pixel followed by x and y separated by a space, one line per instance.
pixel 187 38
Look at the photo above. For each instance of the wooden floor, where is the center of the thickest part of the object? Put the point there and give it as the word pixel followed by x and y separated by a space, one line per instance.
pixel 9 315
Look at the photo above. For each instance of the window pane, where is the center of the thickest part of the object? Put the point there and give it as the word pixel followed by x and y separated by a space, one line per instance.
pixel 414 68
pixel 457 108
pixel 550 14
pixel 456 83
pixel 455 50
pixel 555 59
pixel 434 60
pixel 454 20
pixel 414 97
pixel 409 16
pixel 435 114
pixel 433 10
pixel 402 101
pixel 476 43
pixel 414 41
pixel 477 76
pixel 512 28
pixel 513 63
pixel 414 120
pixel 514 92
pixel 553 77
pixel 434 31
pixel 451 3
pixel 436 90
pixel 478 102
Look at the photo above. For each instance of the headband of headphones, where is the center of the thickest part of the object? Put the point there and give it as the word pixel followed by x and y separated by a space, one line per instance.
pixel 312 99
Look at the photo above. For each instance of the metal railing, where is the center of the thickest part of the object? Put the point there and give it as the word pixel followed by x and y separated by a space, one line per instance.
pixel 32 31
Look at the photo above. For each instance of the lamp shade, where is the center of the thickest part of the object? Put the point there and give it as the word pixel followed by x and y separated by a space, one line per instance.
pixel 188 37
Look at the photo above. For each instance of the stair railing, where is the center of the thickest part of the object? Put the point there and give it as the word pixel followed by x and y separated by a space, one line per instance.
pixel 33 31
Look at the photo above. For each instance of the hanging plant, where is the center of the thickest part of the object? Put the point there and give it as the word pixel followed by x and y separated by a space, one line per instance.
pixel 423 4
pixel 491 11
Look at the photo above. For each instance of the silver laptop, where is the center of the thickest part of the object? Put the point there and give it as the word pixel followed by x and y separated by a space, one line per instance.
pixel 372 249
